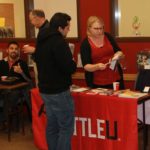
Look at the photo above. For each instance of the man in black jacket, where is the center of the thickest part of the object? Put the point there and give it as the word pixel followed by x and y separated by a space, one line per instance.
pixel 55 66
pixel 38 20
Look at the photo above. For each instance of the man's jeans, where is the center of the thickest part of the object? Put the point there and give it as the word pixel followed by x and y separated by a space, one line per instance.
pixel 60 116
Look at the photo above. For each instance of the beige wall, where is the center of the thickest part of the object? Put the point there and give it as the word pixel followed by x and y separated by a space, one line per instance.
pixel 52 6
pixel 129 9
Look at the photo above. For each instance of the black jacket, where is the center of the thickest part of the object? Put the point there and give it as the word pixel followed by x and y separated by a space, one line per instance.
pixel 54 63
pixel 85 51
pixel 5 71
pixel 42 29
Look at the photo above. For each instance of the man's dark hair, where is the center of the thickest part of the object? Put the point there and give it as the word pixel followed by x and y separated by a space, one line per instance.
pixel 38 12
pixel 59 20
pixel 13 42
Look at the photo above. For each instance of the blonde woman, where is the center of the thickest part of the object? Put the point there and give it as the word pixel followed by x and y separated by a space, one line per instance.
pixel 97 51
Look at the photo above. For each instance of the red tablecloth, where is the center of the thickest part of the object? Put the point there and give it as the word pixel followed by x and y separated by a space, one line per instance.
pixel 101 122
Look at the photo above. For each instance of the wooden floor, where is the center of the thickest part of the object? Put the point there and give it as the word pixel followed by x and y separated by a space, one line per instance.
pixel 18 140
pixel 25 142
pixel 140 139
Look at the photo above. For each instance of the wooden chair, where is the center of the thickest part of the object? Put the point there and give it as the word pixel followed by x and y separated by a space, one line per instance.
pixel 14 114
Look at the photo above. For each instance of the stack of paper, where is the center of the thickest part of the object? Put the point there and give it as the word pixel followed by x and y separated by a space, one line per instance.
pixel 131 94
pixel 113 64
pixel 80 89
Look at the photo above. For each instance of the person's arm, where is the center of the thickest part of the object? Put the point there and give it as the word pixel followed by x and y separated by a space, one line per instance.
pixel 95 67
pixel 85 51
pixel 118 55
pixel 25 77
pixel 28 49
pixel 22 69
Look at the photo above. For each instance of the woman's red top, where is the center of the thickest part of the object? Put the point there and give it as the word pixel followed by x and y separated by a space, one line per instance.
pixel 102 55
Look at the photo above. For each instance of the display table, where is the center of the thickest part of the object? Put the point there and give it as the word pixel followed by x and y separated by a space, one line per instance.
pixel 101 122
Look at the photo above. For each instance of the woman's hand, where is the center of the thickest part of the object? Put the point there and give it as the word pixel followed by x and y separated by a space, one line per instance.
pixel 118 55
pixel 95 67
pixel 102 66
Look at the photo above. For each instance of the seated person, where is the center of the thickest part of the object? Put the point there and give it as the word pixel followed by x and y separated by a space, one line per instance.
pixel 13 66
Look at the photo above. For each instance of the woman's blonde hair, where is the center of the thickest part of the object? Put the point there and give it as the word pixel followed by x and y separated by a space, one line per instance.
pixel 91 20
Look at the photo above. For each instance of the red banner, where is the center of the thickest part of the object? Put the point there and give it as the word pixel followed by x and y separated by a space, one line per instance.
pixel 38 122
pixel 101 122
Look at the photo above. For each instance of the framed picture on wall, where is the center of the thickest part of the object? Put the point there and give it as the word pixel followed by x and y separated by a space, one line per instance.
pixel 7 25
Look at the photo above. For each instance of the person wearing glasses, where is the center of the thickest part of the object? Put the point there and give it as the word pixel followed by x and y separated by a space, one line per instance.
pixel 98 50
